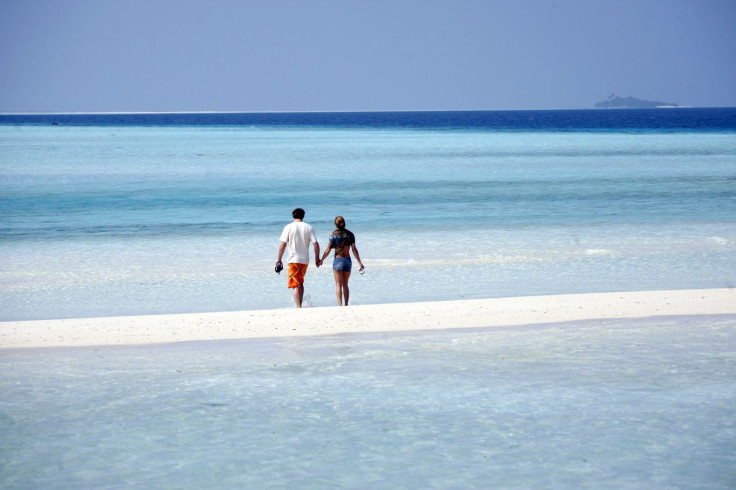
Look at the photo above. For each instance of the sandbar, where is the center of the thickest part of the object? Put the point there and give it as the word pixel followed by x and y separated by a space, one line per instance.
pixel 395 317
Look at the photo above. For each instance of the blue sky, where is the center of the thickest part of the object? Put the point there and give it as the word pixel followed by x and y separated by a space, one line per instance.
pixel 325 55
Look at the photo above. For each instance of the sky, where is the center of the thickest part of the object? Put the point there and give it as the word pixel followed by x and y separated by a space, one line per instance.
pixel 357 55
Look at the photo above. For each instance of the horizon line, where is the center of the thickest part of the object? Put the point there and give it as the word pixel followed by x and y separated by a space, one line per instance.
pixel 90 113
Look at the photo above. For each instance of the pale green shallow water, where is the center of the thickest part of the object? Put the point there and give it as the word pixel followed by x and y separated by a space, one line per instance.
pixel 647 403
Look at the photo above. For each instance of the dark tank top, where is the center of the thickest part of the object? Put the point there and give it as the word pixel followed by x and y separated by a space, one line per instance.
pixel 341 240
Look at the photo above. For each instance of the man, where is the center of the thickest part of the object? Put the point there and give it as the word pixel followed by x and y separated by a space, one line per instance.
pixel 298 235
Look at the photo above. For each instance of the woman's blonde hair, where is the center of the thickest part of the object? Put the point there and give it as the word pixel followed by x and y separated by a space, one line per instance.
pixel 340 223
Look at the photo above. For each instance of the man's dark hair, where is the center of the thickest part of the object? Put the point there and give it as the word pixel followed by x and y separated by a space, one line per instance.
pixel 298 213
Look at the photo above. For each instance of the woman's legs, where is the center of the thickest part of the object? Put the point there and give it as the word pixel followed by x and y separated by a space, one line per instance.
pixel 341 287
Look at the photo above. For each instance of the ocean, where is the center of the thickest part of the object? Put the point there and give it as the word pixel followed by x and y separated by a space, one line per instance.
pixel 127 214
pixel 170 213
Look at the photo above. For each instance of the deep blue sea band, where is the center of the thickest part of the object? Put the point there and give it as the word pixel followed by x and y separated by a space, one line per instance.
pixel 662 120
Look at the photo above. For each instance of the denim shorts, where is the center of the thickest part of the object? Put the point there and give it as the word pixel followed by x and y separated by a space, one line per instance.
pixel 342 264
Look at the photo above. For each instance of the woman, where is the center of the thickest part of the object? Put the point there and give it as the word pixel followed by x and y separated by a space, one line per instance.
pixel 342 241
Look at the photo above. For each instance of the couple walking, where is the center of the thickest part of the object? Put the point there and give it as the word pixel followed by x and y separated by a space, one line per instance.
pixel 298 235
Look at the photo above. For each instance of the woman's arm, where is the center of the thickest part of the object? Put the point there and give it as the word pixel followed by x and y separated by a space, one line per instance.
pixel 357 255
pixel 327 251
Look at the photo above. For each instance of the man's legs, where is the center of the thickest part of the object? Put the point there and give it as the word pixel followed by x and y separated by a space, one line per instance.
pixel 296 282
pixel 299 295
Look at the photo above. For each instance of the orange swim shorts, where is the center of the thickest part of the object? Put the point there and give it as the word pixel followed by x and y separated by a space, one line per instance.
pixel 296 274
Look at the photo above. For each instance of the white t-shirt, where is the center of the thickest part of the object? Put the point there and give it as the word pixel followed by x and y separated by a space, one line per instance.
pixel 298 235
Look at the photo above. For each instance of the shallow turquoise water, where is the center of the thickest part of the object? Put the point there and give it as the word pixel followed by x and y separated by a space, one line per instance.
pixel 108 220
pixel 599 404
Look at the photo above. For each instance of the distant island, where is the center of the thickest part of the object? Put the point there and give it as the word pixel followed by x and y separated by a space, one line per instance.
pixel 615 102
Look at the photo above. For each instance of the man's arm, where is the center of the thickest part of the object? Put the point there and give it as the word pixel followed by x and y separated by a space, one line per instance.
pixel 282 247
pixel 316 254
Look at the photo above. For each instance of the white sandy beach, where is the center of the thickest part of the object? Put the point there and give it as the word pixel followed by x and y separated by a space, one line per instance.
pixel 497 312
